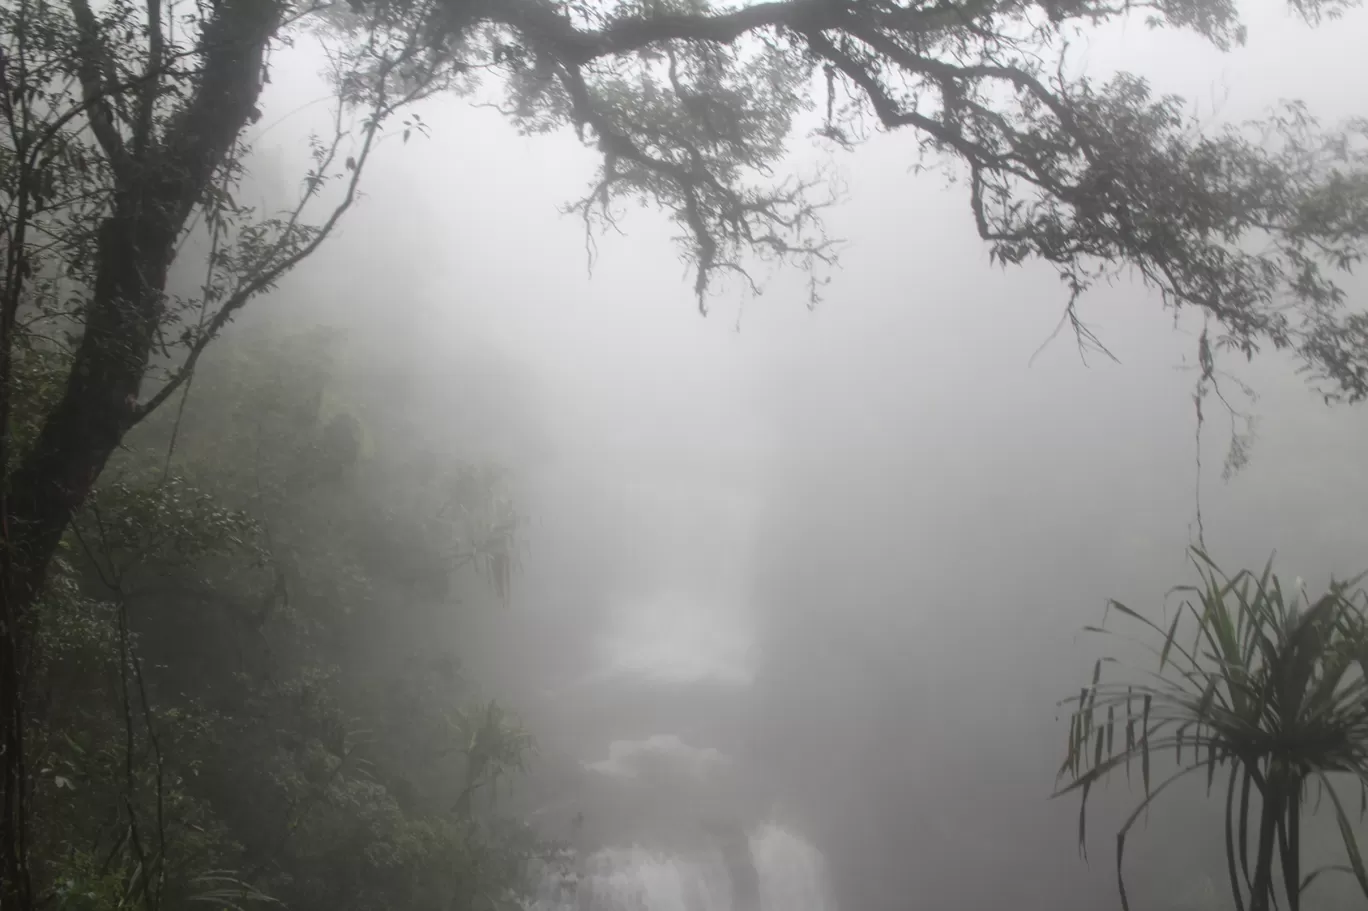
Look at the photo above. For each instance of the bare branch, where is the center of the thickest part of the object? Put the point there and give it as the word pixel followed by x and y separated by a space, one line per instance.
pixel 275 265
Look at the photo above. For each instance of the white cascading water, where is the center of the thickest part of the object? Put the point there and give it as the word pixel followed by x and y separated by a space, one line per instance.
pixel 791 872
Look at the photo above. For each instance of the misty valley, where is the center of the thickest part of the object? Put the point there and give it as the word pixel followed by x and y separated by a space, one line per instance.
pixel 683 455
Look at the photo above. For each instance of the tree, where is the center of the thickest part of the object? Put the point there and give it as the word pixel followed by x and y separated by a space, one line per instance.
pixel 126 125
pixel 1262 683
pixel 237 702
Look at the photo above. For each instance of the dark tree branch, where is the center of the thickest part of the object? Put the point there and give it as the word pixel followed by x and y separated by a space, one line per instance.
pixel 264 279
pixel 150 89
pixel 545 27
pixel 93 89
pixel 575 47
pixel 122 315
pixel 201 134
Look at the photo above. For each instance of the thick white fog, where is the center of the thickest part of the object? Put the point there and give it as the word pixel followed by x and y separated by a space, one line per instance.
pixel 845 552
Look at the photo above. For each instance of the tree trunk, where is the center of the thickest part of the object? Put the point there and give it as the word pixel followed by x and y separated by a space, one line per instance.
pixel 57 474
pixel 102 392
pixel 136 245
pixel 157 186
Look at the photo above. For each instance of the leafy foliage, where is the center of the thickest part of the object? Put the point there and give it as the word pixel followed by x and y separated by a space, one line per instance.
pixel 691 104
pixel 1270 690
pixel 209 728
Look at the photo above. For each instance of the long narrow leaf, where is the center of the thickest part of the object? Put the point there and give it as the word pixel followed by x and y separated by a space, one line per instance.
pixel 1275 683
pixel 1070 756
pixel 1130 745
pixel 1244 823
pixel 1145 755
pixel 1111 724
pixel 1319 871
pixel 1165 637
pixel 1083 821
pixel 1290 842
pixel 1347 834
pixel 1168 639
pixel 1235 889
pixel 1130 821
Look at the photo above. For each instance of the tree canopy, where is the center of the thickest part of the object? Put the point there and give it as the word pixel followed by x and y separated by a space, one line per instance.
pixel 130 125
pixel 691 105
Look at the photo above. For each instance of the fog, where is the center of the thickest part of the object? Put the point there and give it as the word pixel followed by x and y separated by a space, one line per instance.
pixel 826 566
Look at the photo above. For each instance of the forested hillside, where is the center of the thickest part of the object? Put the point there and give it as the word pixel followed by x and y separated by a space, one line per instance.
pixel 245 689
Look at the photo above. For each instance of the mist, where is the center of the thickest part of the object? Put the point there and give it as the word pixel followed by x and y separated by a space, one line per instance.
pixel 817 574
pixel 846 550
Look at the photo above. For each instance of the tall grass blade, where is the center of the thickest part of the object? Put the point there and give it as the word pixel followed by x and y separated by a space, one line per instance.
pixel 1130 745
pixel 1145 751
pixel 1290 830
pixel 1071 757
pixel 1168 639
pixel 1244 823
pixel 1083 822
pixel 1130 822
pixel 1208 697
pixel 1347 834
pixel 1235 889
pixel 1084 718
pixel 1319 871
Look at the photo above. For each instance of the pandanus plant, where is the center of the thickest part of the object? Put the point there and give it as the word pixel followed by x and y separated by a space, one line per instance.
pixel 1262 686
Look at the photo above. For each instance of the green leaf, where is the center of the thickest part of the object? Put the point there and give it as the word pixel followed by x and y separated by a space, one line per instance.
pixel 1071 756
pixel 1130 744
pixel 1320 871
pixel 1083 821
pixel 1235 889
pixel 1130 822
pixel 1347 835
pixel 1145 754
pixel 1244 821
pixel 1169 639
pixel 1111 723
pixel 1264 665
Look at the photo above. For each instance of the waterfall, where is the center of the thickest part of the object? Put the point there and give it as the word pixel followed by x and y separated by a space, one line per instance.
pixel 790 871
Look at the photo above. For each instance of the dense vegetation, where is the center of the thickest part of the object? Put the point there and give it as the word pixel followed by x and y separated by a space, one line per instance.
pixel 242 688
